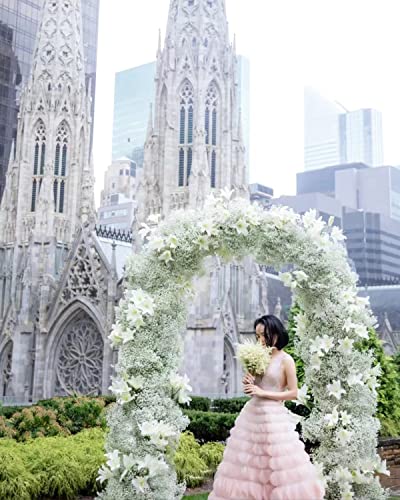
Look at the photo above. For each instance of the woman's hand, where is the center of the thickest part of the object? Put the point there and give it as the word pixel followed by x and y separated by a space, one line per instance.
pixel 253 390
pixel 248 379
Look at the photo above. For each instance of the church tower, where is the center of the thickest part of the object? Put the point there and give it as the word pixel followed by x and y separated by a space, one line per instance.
pixel 48 194
pixel 194 144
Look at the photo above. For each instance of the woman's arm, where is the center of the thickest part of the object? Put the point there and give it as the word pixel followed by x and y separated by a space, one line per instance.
pixel 291 379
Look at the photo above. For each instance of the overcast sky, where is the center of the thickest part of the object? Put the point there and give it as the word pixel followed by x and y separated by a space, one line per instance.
pixel 347 49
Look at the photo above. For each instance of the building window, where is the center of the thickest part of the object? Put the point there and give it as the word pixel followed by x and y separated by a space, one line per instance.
pixel 186 122
pixel 39 158
pixel 61 166
pixel 212 130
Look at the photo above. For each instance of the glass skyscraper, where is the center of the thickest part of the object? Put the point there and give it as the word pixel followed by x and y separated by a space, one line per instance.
pixel 19 22
pixel 134 92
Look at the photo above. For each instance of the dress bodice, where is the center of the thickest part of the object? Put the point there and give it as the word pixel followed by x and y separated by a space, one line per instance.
pixel 274 378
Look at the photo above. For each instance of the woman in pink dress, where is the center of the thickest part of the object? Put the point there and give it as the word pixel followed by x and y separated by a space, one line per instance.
pixel 264 458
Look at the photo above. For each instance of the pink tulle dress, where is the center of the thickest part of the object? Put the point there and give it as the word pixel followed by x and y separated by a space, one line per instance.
pixel 264 458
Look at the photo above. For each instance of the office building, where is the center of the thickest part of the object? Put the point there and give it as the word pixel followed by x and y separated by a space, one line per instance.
pixel 261 194
pixel 134 95
pixel 118 200
pixel 334 135
pixel 19 21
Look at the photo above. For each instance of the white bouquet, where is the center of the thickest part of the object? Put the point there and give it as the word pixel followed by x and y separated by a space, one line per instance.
pixel 255 358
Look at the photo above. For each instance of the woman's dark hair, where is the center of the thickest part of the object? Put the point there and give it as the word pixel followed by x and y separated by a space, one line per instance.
pixel 273 329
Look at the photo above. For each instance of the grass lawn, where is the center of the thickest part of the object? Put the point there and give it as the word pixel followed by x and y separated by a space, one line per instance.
pixel 197 497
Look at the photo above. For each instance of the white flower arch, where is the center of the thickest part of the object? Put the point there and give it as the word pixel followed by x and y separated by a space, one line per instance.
pixel 145 425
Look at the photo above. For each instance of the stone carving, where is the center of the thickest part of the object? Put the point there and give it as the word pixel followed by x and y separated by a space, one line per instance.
pixel 85 277
pixel 5 369
pixel 79 359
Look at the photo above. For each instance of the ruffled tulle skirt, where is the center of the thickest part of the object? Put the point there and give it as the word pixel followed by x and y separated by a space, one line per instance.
pixel 264 458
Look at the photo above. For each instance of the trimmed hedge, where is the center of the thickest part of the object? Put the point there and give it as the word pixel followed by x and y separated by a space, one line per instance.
pixel 233 405
pixel 199 403
pixel 209 426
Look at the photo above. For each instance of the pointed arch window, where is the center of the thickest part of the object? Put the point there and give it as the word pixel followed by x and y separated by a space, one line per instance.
pixel 61 166
pixel 186 123
pixel 39 159
pixel 212 130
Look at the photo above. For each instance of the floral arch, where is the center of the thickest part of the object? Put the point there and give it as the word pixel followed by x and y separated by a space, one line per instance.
pixel 146 423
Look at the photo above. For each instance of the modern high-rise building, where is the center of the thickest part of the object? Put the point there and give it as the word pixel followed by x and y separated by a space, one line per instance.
pixel 19 21
pixel 321 131
pixel 333 135
pixel 361 137
pixel 134 94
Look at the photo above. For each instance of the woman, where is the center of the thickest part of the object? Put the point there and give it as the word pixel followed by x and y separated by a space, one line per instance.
pixel 264 458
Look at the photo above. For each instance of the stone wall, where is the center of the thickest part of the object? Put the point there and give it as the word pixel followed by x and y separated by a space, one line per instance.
pixel 389 450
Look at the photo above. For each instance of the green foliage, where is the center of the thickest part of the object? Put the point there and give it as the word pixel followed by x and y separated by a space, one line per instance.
pixel 54 467
pixel 77 413
pixel 290 348
pixel 200 404
pixel 389 389
pixel 233 405
pixel 34 422
pixel 212 454
pixel 190 467
pixel 8 411
pixel 6 429
pixel 208 426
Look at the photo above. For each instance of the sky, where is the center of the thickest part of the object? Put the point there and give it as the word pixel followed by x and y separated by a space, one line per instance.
pixel 347 49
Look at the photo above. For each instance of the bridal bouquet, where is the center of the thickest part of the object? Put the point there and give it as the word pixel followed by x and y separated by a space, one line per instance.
pixel 255 358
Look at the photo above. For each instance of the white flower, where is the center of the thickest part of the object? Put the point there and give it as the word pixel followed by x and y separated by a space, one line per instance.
pixel 172 241
pixel 104 474
pixel 140 484
pixel 354 378
pixel 302 396
pixel 347 495
pixel 166 256
pixel 136 383
pixel 129 335
pixel 342 475
pixel 346 346
pixel 327 343
pixel 381 468
pixel 119 386
pixel 345 418
pixel 241 227
pixel 335 389
pixel 300 275
pixel 331 220
pixel 287 280
pixel 315 362
pixel 207 227
pixel 158 432
pixel 343 436
pixel 181 388
pixel 348 325
pixel 361 478
pixel 301 325
pixel 152 465
pixel 128 462
pixel 361 331
pixel 134 315
pixel 337 234
pixel 154 219
pixel 117 334
pixel 157 243
pixel 203 242
pixel 321 345
pixel 332 419
pixel 113 460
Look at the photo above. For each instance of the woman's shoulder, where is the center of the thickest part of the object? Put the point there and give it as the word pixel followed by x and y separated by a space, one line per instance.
pixel 287 358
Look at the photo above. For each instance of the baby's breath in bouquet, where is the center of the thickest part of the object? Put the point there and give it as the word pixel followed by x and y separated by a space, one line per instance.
pixel 255 358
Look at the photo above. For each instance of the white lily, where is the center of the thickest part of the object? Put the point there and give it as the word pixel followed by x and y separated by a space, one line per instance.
pixel 381 468
pixel 152 465
pixel 361 331
pixel 140 484
pixel 157 243
pixel 113 460
pixel 332 419
pixel 203 242
pixel 144 231
pixel 128 462
pixel 315 362
pixel 241 227
pixel 104 474
pixel 154 218
pixel 302 396
pixel 344 436
pixel 337 234
pixel 345 418
pixel 346 345
pixel 166 256
pixel 172 241
pixel 342 475
pixel 335 389
pixel 355 378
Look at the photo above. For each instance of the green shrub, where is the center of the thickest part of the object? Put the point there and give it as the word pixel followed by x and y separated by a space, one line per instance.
pixel 190 467
pixel 212 454
pixel 59 467
pixel 8 411
pixel 6 429
pixel 200 404
pixel 34 422
pixel 209 426
pixel 233 405
pixel 78 413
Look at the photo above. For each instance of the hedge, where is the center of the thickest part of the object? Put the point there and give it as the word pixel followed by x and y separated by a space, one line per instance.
pixel 209 426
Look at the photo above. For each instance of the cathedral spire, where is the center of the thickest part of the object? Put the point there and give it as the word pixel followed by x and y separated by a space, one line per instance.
pixel 58 60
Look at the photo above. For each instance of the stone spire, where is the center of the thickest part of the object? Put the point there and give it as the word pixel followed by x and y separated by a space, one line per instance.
pixel 51 179
pixel 194 147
